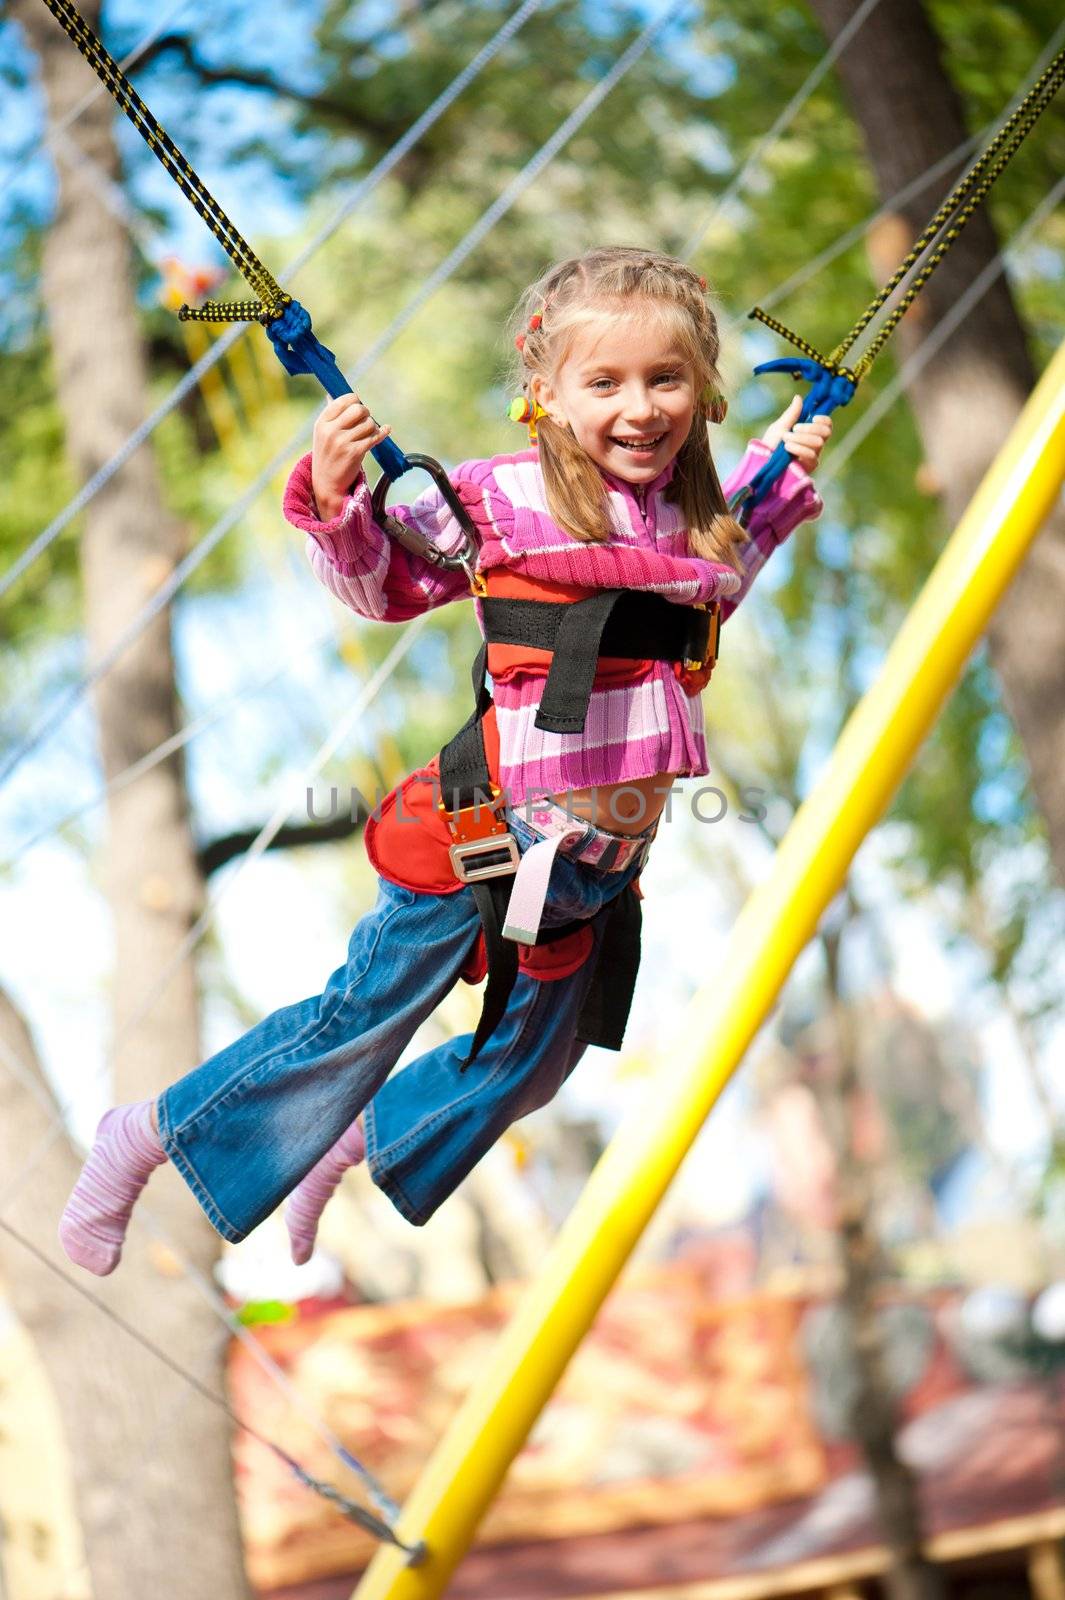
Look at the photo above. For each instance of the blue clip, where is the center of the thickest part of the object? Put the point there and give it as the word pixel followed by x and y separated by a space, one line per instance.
pixel 828 390
pixel 299 350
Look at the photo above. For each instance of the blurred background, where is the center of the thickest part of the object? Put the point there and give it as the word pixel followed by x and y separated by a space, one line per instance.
pixel 835 1365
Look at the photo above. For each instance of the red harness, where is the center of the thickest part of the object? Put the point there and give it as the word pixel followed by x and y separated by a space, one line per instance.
pixel 408 843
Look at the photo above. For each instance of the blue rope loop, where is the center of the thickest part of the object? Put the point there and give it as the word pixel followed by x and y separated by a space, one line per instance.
pixel 829 389
pixel 299 351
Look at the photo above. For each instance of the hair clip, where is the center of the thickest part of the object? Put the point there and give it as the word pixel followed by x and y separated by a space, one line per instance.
pixel 519 342
pixel 536 321
pixel 702 284
pixel 522 409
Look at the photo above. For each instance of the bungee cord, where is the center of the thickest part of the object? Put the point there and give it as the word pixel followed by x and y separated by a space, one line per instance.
pixel 908 192
pixel 832 384
pixel 351 201
pixel 527 175
pixel 910 368
pixel 446 269
pixel 54 718
pixel 943 228
pixel 942 331
pixel 450 265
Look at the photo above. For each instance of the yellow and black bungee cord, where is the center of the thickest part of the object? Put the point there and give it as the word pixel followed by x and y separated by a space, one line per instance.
pixel 832 383
pixel 286 321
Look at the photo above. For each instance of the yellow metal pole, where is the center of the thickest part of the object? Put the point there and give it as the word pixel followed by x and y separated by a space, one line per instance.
pixel 869 763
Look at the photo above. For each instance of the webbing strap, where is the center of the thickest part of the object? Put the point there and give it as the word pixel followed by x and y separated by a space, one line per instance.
pixel 607 1004
pixel 464 776
pixel 501 956
pixel 568 690
pixel 613 622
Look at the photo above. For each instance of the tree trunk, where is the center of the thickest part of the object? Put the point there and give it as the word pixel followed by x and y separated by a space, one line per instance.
pixel 968 396
pixel 154 1516
pixel 179 1514
pixel 873 1418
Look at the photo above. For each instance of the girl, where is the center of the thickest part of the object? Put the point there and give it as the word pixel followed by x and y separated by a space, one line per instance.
pixel 619 501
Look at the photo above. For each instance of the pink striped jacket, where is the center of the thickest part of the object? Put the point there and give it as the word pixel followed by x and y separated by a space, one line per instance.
pixel 636 729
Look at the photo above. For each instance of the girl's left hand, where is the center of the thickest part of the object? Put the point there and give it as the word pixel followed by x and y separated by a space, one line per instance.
pixel 803 440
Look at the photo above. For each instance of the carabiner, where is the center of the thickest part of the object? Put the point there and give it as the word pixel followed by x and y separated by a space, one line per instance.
pixel 466 558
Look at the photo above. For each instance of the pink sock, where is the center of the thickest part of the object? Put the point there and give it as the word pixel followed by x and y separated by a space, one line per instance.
pixel 308 1200
pixel 124 1155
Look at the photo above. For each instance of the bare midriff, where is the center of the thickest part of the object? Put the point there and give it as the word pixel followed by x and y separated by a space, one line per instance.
pixel 621 807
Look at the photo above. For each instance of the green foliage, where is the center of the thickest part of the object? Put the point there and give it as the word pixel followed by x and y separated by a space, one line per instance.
pixel 34 485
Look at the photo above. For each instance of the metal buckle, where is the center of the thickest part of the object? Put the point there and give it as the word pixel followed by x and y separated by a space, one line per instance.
pixel 479 831
pixel 461 854
pixel 713 638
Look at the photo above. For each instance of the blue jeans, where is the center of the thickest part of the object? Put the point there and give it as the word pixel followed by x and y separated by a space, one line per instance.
pixel 247 1125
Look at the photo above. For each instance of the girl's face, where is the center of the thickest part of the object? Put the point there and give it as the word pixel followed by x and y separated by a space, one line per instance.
pixel 627 394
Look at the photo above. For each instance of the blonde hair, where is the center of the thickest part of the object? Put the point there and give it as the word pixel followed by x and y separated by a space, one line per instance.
pixel 574 294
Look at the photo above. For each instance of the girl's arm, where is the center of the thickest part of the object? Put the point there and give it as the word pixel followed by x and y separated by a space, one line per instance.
pixel 518 533
pixel 791 500
pixel 361 565
pixel 328 497
pixel 681 579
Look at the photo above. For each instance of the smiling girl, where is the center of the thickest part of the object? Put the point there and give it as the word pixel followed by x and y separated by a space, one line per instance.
pixel 600 550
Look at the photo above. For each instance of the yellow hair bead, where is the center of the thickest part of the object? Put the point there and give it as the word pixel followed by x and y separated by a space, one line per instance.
pixel 522 409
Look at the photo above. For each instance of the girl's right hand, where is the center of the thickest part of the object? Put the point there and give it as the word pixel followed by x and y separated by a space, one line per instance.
pixel 343 435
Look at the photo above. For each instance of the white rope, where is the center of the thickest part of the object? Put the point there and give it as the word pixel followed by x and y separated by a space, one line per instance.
pixel 857 435
pixel 226 340
pixel 916 362
pixel 167 747
pixel 910 369
pixel 234 1328
pixel 729 325
pixel 54 718
pixel 902 196
pixel 264 838
pixel 370 690
pixel 790 111
pixel 272 826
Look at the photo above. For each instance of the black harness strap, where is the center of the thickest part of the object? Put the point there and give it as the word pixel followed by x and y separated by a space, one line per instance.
pixel 465 780
pixel 464 776
pixel 620 622
pixel 501 955
pixel 607 1003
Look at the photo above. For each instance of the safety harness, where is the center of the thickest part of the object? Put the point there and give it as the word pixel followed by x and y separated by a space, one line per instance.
pixel 484 854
